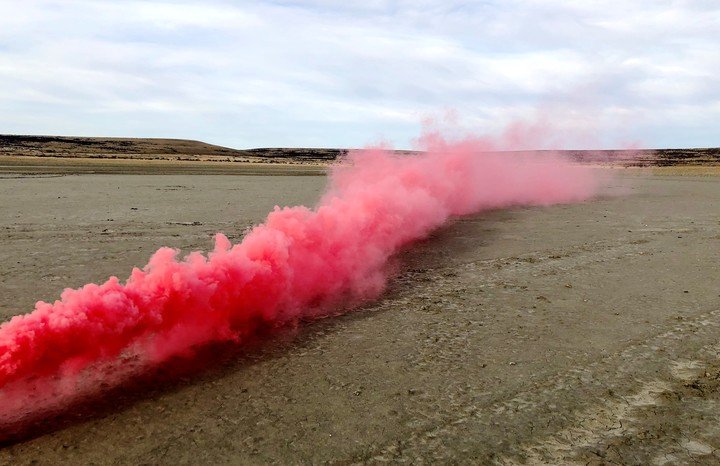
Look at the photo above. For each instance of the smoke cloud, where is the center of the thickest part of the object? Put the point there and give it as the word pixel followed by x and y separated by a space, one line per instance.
pixel 300 263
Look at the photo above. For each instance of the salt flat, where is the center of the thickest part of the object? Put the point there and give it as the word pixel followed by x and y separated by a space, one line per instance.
pixel 567 334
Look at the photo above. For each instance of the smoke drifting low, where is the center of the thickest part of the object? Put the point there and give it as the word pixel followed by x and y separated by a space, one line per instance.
pixel 300 263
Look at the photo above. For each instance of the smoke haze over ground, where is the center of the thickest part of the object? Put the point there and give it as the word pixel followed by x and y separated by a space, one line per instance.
pixel 300 263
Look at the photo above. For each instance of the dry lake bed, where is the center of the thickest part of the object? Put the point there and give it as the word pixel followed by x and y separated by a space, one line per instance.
pixel 585 333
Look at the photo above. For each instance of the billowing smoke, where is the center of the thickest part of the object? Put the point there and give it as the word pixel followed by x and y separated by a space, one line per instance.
pixel 300 263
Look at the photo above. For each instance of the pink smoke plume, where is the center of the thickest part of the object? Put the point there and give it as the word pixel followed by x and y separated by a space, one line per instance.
pixel 300 263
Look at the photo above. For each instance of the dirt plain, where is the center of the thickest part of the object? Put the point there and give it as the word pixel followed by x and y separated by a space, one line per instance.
pixel 573 334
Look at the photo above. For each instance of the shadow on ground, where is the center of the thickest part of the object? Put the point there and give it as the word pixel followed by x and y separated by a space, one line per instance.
pixel 445 247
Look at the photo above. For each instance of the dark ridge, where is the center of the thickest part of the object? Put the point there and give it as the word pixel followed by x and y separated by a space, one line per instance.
pixel 638 158
pixel 82 146
pixel 319 154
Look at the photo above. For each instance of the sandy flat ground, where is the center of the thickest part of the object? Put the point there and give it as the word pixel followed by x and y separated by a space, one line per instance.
pixel 583 334
pixel 27 165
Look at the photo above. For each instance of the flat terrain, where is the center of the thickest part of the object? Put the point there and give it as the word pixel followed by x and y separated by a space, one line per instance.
pixel 23 166
pixel 580 334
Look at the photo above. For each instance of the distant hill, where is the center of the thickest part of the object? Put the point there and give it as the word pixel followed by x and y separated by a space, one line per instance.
pixel 152 149
pixel 188 150
pixel 644 157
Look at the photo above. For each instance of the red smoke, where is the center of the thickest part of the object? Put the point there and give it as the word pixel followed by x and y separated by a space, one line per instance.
pixel 300 263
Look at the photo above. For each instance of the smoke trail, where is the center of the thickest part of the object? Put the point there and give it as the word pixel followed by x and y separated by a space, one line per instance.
pixel 300 263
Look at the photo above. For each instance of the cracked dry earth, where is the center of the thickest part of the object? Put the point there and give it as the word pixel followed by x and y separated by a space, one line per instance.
pixel 577 334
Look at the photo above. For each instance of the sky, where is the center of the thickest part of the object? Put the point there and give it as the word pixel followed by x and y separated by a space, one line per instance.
pixel 321 73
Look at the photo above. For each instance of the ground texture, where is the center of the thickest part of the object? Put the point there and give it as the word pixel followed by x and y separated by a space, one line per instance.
pixel 578 334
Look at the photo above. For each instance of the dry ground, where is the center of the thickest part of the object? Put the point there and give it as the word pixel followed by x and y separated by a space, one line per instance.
pixel 31 165
pixel 576 334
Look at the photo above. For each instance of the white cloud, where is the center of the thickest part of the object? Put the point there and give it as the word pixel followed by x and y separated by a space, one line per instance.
pixel 254 73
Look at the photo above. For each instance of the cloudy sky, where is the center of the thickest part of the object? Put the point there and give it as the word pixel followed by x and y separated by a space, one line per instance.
pixel 345 73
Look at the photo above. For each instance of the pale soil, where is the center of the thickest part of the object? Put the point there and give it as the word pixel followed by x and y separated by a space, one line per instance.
pixel 577 334
pixel 30 165
pixel 685 170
